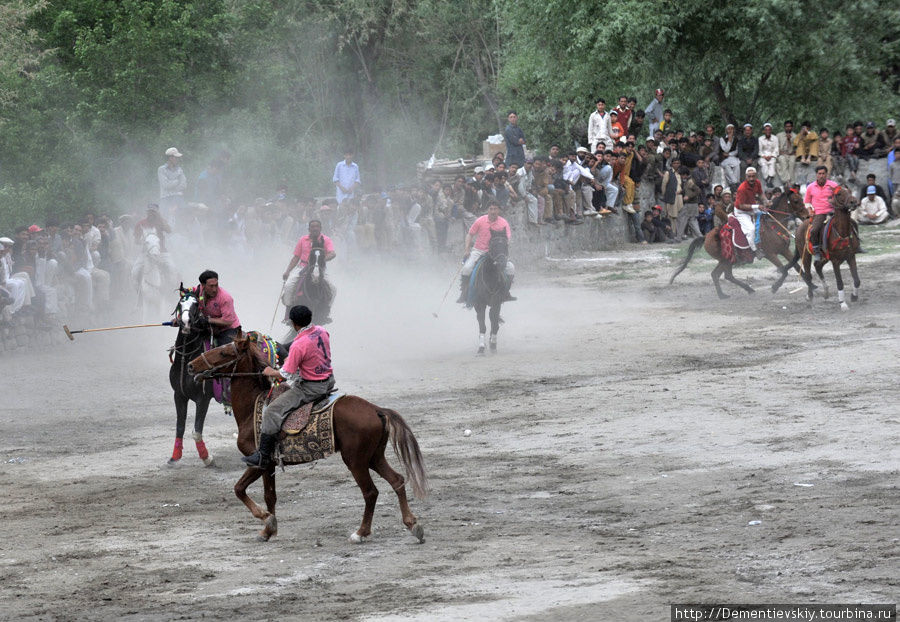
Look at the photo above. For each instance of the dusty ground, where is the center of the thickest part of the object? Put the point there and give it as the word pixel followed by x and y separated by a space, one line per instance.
pixel 623 439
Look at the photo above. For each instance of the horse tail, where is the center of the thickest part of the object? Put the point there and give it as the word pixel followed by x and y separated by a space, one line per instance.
pixel 697 243
pixel 407 449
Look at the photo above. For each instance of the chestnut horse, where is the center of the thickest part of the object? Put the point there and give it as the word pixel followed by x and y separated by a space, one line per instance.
pixel 843 244
pixel 361 433
pixel 774 240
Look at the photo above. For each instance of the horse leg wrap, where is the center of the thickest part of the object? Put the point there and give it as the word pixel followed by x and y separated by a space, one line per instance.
pixel 176 452
pixel 201 446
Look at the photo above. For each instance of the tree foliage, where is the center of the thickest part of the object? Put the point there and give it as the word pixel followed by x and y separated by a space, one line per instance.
pixel 93 91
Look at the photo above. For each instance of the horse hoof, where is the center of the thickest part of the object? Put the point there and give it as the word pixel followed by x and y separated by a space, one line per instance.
pixel 418 532
pixel 724 296
pixel 271 525
pixel 480 350
pixel 262 536
pixel 854 298
pixel 209 462
pixel 171 462
pixel 844 306
pixel 355 538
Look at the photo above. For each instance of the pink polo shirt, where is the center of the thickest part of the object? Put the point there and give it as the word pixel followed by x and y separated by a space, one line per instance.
pixel 310 354
pixel 304 246
pixel 481 231
pixel 820 196
pixel 220 307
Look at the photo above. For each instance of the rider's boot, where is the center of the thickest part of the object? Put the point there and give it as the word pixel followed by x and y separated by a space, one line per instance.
pixel 176 451
pixel 262 457
pixel 463 289
pixel 507 297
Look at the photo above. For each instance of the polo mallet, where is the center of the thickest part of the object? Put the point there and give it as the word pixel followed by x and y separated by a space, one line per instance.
pixel 452 282
pixel 277 302
pixel 70 333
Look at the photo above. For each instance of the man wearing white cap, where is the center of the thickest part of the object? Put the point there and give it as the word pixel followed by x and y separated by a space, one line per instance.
pixel 872 210
pixel 731 165
pixel 748 201
pixel 172 183
pixel 768 155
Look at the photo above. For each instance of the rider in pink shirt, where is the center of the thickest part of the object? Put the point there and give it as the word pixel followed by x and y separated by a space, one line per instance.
pixel 480 234
pixel 308 372
pixel 818 196
pixel 217 306
pixel 305 245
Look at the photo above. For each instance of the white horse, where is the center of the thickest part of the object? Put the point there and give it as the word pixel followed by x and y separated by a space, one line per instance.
pixel 150 274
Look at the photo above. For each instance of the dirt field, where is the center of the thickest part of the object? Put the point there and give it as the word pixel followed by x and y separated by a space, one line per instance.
pixel 633 445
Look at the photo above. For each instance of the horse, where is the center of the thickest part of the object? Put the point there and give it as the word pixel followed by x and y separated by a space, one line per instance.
pixel 188 345
pixel 361 432
pixel 774 240
pixel 488 286
pixel 312 290
pixel 842 245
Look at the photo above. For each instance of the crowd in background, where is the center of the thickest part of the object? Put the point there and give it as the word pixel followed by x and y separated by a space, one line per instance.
pixel 665 181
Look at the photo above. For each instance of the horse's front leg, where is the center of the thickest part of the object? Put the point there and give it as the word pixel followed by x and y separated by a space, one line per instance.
pixel 819 267
pixel 836 266
pixel 482 326
pixel 495 326
pixel 270 525
pixel 729 276
pixel 181 407
pixel 851 261
pixel 200 409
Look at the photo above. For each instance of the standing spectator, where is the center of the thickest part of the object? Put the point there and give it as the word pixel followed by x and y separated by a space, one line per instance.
pixel 673 196
pixel 825 145
pixel 599 126
pixel 623 112
pixel 346 177
pixel 768 155
pixel 785 164
pixel 636 127
pixel 700 175
pixel 172 183
pixel 748 149
pixel 654 111
pixel 532 203
pixel 687 217
pixel 515 140
pixel 730 162
pixel 540 188
pixel 848 151
pixel 894 178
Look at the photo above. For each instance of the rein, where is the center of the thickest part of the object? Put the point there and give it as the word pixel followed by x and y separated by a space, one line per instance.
pixel 213 369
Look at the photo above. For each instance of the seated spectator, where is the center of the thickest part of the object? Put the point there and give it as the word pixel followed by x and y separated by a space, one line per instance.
pixel 872 210
pixel 652 234
pixel 663 223
pixel 871 144
pixel 16 285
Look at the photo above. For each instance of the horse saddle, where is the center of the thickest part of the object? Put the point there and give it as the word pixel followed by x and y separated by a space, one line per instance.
pixel 307 433
pixel 298 418
pixel 739 239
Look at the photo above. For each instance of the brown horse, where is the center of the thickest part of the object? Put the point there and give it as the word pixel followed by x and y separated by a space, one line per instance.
pixel 361 433
pixel 774 240
pixel 843 244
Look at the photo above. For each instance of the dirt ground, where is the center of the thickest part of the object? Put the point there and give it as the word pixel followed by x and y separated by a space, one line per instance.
pixel 633 445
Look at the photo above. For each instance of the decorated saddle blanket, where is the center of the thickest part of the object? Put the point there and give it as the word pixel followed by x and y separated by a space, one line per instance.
pixel 733 243
pixel 839 243
pixel 307 433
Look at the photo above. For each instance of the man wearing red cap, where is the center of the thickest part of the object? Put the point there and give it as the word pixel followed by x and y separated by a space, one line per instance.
pixel 654 111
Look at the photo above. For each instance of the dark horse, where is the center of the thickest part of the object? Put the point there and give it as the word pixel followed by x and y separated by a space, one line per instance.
pixel 312 290
pixel 488 287
pixel 842 245
pixel 188 345
pixel 774 240
pixel 361 433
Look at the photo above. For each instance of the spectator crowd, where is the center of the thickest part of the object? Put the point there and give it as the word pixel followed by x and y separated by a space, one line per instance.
pixel 665 181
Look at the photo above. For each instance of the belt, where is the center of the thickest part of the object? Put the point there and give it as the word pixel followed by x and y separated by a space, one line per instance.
pixel 323 380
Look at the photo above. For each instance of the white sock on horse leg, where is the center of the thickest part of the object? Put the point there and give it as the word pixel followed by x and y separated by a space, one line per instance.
pixel 840 295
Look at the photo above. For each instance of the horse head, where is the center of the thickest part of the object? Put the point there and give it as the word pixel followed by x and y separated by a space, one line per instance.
pixel 843 201
pixel 187 309
pixel 795 204
pixel 498 248
pixel 316 264
pixel 226 360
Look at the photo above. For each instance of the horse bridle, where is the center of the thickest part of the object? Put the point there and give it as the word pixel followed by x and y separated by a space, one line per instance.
pixel 210 373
